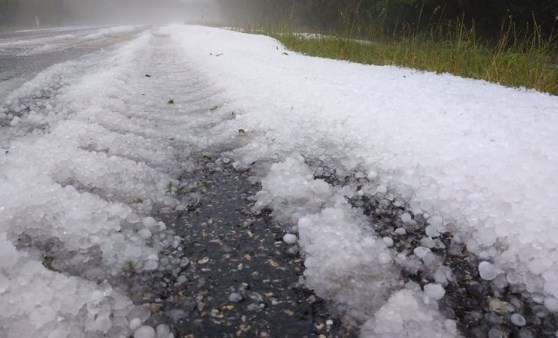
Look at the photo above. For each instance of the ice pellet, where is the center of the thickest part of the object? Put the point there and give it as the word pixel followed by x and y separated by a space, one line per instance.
pixel 289 238
pixel 144 332
pixel 488 271
pixel 518 320
pixel 434 291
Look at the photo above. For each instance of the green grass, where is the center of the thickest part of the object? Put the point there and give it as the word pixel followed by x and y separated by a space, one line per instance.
pixel 511 60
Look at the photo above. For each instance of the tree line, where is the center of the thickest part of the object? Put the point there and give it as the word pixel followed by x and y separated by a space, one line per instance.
pixel 391 16
pixel 400 16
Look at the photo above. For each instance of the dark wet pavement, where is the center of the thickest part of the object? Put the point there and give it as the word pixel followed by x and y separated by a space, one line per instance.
pixel 236 277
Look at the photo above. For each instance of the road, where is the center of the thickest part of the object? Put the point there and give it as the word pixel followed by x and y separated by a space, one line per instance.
pixel 221 247
pixel 162 182
pixel 24 54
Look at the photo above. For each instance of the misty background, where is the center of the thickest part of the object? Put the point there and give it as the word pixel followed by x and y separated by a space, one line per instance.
pixel 489 17
pixel 393 17
pixel 23 13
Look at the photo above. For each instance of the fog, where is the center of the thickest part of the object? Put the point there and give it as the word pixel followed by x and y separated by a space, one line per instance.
pixel 28 13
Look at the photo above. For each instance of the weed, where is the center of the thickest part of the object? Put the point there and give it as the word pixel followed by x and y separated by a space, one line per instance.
pixel 129 267
pixel 171 101
pixel 204 184
pixel 182 191
pixel 137 200
pixel 47 262
pixel 169 188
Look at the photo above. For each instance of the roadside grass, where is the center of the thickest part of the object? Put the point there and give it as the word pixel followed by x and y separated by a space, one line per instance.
pixel 513 60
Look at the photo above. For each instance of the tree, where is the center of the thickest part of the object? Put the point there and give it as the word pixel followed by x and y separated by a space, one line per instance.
pixel 396 16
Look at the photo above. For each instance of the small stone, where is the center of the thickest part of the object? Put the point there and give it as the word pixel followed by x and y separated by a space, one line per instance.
pixel 290 238
pixel 496 305
pixel 216 313
pixel 525 333
pixel 235 297
pixel 226 248
pixel 518 320
pixel 496 332
pixel 254 307
pixel 493 318
pixel 472 317
pixel 176 314
pixel 289 313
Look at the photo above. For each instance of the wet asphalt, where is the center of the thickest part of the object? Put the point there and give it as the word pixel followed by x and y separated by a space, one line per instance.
pixel 16 69
pixel 236 277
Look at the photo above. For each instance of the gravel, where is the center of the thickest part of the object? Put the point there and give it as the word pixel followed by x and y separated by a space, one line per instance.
pixel 482 304
pixel 234 272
